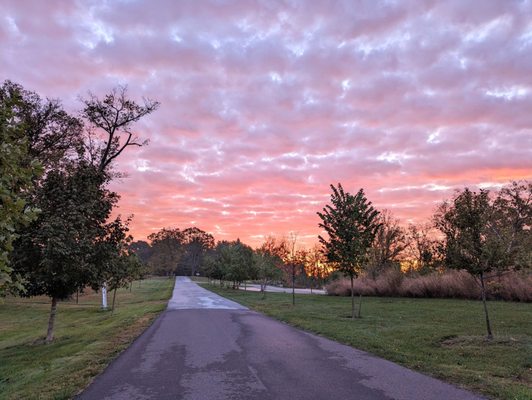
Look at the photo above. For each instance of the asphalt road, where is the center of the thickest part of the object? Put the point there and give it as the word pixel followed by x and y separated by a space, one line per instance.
pixel 206 347
pixel 276 289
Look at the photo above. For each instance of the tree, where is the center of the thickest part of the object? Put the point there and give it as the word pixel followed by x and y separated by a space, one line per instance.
pixel 482 235
pixel 110 120
pixel 142 249
pixel 267 264
pixel 512 223
pixel 315 267
pixel 17 173
pixel 55 253
pixel 167 250
pixel 37 135
pixel 114 116
pixel 294 261
pixel 351 223
pixel 195 243
pixel 237 261
pixel 422 248
pixel 52 135
pixel 117 265
pixel 389 244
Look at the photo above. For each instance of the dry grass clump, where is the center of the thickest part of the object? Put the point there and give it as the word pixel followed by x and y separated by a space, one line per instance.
pixel 511 286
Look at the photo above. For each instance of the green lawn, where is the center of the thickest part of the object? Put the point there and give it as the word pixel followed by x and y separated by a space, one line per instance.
pixel 444 338
pixel 86 339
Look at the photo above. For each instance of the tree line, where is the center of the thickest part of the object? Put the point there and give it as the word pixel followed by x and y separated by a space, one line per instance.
pixel 192 251
pixel 57 236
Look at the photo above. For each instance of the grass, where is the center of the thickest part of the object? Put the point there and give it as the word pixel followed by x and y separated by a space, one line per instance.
pixel 86 339
pixel 441 337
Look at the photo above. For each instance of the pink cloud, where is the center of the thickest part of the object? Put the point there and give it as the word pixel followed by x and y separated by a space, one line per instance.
pixel 263 105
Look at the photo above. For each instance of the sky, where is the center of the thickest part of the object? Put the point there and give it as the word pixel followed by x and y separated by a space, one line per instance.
pixel 264 104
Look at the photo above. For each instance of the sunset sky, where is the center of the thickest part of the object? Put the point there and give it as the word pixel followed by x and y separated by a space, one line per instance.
pixel 264 104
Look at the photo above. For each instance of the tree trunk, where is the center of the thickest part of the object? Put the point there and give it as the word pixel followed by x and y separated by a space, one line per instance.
pixel 77 296
pixel 263 289
pixel 359 304
pixel 51 320
pixel 483 291
pixel 113 304
pixel 104 296
pixel 293 285
pixel 352 298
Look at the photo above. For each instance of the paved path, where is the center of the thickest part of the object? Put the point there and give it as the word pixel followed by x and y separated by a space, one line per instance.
pixel 276 289
pixel 206 347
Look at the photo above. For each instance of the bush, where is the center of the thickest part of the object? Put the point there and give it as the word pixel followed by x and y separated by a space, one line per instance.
pixel 511 286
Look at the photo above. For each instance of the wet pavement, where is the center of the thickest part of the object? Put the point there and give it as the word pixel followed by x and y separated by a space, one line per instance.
pixel 207 347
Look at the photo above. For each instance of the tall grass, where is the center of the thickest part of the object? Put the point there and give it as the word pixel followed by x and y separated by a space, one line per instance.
pixel 511 286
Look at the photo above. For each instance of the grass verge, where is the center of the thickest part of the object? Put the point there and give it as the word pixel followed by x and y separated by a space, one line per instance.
pixel 441 337
pixel 86 339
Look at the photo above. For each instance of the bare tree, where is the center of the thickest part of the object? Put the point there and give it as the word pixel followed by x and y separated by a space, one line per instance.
pixel 315 266
pixel 294 260
pixel 388 246
pixel 114 115
pixel 422 248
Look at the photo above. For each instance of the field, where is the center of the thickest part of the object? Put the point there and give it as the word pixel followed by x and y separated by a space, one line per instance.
pixel 87 339
pixel 443 338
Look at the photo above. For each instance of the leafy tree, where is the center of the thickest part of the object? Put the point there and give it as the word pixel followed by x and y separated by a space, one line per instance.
pixel 484 236
pixel 212 263
pixel 36 135
pixel 267 264
pixel 55 253
pixel 142 249
pixel 17 173
pixel 52 135
pixel 351 223
pixel 512 223
pixel 468 244
pixel 117 265
pixel 167 250
pixel 388 246
pixel 195 244
pixel 237 261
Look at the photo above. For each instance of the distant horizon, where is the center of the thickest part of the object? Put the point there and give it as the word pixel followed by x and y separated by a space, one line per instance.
pixel 264 106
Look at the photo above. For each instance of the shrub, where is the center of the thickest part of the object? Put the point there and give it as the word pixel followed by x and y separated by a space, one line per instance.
pixel 511 286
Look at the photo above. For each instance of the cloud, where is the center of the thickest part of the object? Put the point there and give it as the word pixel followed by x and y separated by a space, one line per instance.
pixel 264 104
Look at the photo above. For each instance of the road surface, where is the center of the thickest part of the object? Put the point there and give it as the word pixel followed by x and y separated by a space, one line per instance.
pixel 276 289
pixel 206 347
